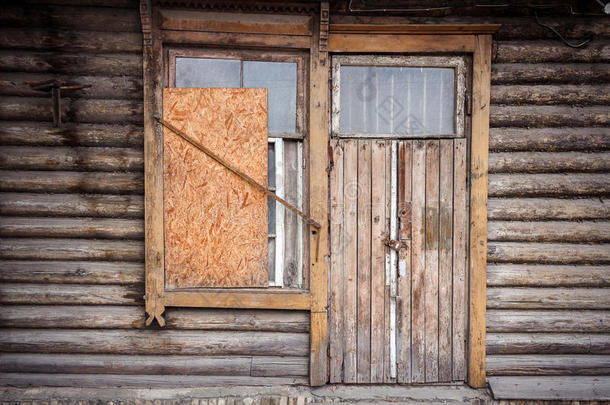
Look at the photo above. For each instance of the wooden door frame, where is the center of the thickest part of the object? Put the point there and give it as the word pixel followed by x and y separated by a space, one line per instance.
pixel 314 33
pixel 475 40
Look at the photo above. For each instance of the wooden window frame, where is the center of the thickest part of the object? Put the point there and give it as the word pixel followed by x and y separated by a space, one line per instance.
pixel 313 34
pixel 457 63
pixel 166 29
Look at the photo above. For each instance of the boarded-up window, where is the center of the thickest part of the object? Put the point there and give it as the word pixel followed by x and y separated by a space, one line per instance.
pixel 215 223
pixel 282 74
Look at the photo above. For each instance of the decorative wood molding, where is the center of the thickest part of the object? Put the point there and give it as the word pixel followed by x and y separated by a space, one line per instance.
pixel 145 19
pixel 269 6
pixel 324 29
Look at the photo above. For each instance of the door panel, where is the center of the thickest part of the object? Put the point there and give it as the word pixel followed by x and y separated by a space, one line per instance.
pixel 398 313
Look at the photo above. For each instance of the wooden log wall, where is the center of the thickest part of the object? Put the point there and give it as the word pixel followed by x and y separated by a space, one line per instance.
pixel 548 274
pixel 72 219
pixel 71 248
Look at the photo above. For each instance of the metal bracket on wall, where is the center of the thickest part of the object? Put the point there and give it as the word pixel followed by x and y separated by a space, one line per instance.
pixel 55 86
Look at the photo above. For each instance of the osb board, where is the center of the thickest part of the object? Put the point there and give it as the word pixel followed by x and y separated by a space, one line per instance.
pixel 215 223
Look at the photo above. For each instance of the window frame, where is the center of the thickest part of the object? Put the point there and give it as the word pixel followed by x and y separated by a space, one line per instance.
pixel 457 63
pixel 300 135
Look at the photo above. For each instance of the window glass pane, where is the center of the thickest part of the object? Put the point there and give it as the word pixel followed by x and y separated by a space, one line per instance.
pixel 271 165
pixel 271 217
pixel 271 259
pixel 203 72
pixel 397 100
pixel 280 78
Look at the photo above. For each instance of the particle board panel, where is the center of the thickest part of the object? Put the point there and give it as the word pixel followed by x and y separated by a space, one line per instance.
pixel 215 224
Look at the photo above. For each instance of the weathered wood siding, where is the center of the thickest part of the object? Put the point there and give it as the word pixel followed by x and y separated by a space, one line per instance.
pixel 71 200
pixel 548 279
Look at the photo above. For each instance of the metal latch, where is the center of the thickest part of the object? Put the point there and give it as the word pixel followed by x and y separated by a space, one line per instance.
pixel 393 244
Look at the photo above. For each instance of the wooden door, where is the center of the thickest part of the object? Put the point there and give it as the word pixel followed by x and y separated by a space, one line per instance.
pixel 398 261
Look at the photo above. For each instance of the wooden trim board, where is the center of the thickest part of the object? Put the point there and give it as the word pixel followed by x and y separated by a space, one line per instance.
pixel 414 29
pixel 262 299
pixel 479 148
pixel 400 43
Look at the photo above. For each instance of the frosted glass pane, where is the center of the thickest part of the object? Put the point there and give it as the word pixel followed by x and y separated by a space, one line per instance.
pixel 202 72
pixel 280 80
pixel 397 100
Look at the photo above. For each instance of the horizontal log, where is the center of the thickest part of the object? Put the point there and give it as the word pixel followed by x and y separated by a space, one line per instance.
pixel 532 209
pixel 548 116
pixel 80 294
pixel 548 343
pixel 548 162
pixel 71 41
pixel 548 321
pixel 69 134
pixel 141 381
pixel 66 182
pixel 541 185
pixel 62 272
pixel 92 228
pixel 543 73
pixel 71 158
pixel 547 253
pixel 581 94
pixel 232 319
pixel 73 316
pixel 523 275
pixel 554 389
pixel 535 365
pixel 548 139
pixel 72 205
pixel 133 317
pixel 280 366
pixel 109 64
pixel 125 364
pixel 160 341
pixel 71 249
pixel 72 18
pixel 72 110
pixel 551 51
pixel 99 87
pixel 545 231
pixel 548 298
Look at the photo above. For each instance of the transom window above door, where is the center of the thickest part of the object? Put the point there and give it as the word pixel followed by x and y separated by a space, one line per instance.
pixel 398 96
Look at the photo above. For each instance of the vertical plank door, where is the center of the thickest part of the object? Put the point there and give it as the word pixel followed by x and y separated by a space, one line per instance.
pixel 398 261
